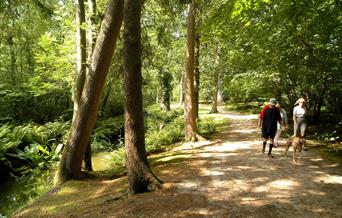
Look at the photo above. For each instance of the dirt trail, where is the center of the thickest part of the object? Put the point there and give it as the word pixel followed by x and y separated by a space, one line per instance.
pixel 227 176
pixel 230 177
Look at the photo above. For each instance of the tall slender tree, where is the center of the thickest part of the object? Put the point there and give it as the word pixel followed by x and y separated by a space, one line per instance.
pixel 189 95
pixel 85 118
pixel 90 48
pixel 140 176
pixel 197 73
pixel 81 66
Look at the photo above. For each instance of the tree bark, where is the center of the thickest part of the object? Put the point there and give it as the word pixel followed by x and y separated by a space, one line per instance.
pixel 215 92
pixel 181 90
pixel 81 53
pixel 85 118
pixel 197 74
pixel 90 47
pixel 165 83
pixel 81 67
pixel 189 100
pixel 140 176
pixel 13 60
pixel 91 30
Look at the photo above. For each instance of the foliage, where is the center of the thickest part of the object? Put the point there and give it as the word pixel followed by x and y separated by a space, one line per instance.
pixel 108 135
pixel 330 134
pixel 26 147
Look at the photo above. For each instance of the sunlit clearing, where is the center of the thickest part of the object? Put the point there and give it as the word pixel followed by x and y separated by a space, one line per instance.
pixel 284 184
pixel 232 146
pixel 68 190
pixel 318 210
pixel 221 156
pixel 317 159
pixel 188 184
pixel 244 130
pixel 252 201
pixel 312 192
pixel 165 159
pixel 208 172
pixel 240 117
pixel 329 179
pixel 191 145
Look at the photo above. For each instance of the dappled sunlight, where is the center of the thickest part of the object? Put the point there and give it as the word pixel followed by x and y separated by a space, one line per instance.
pixel 314 192
pixel 232 146
pixel 68 190
pixel 284 184
pixel 169 158
pixel 316 159
pixel 329 179
pixel 244 130
pixel 188 184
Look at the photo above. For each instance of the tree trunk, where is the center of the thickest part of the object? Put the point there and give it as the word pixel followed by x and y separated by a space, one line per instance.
pixel 140 177
pixel 13 60
pixel 197 74
pixel 215 92
pixel 181 92
pixel 165 84
pixel 85 118
pixel 81 67
pixel 92 26
pixel 105 99
pixel 189 100
pixel 81 54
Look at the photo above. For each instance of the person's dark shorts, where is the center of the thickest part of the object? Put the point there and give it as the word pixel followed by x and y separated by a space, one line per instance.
pixel 267 135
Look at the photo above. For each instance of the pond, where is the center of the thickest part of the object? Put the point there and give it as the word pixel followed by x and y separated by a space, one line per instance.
pixel 18 192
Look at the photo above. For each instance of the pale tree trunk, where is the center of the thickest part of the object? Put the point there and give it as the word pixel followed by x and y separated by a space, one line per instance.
pixel 181 90
pixel 91 30
pixel 215 92
pixel 140 176
pixel 81 54
pixel 189 100
pixel 90 47
pixel 81 67
pixel 197 74
pixel 85 118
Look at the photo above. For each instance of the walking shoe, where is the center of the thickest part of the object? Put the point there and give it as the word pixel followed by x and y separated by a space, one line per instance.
pixel 270 155
pixel 263 150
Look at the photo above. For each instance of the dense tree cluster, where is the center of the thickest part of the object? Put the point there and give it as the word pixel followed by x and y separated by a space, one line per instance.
pixel 184 51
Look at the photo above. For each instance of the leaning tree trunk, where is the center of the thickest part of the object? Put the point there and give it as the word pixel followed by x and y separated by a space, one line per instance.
pixel 140 176
pixel 90 47
pixel 85 118
pixel 189 100
pixel 81 66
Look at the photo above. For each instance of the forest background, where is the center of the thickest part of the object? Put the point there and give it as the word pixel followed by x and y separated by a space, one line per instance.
pixel 246 52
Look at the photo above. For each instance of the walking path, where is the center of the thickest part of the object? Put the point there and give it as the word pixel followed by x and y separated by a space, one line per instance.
pixel 230 177
pixel 227 176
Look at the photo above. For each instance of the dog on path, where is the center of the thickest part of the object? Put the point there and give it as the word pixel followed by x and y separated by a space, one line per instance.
pixel 297 143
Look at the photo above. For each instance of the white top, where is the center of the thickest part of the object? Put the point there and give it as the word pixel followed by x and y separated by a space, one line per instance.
pixel 299 112
pixel 283 119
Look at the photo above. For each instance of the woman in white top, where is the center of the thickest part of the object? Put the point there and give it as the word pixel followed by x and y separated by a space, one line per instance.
pixel 280 125
pixel 299 121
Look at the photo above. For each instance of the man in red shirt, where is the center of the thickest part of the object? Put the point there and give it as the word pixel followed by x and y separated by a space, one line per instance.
pixel 268 118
